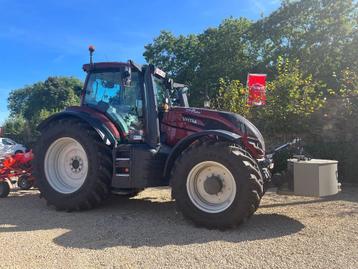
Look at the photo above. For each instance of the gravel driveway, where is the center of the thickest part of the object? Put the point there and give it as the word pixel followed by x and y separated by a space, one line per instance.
pixel 146 232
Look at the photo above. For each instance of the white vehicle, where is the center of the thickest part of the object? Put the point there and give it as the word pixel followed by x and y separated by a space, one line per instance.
pixel 9 147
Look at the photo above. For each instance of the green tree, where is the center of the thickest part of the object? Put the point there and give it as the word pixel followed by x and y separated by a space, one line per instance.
pixel 173 54
pixel 232 96
pixel 292 97
pixel 200 60
pixel 323 34
pixel 54 94
pixel 17 128
pixel 30 105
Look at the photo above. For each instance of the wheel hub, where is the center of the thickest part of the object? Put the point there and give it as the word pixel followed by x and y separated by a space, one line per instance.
pixel 76 164
pixel 66 165
pixel 211 187
pixel 213 184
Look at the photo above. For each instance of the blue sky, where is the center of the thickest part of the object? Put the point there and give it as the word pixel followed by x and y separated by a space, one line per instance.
pixel 47 37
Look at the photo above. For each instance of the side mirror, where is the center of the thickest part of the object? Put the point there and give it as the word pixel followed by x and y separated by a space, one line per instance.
pixel 183 97
pixel 127 77
pixel 169 84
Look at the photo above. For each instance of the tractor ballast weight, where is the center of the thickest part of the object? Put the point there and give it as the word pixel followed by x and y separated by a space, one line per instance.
pixel 135 129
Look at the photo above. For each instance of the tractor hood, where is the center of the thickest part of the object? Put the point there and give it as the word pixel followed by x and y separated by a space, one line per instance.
pixel 198 119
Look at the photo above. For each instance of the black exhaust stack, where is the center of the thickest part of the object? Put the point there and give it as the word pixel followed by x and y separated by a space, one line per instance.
pixel 91 50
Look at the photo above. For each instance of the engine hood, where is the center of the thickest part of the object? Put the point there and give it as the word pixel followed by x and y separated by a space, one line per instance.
pixel 199 119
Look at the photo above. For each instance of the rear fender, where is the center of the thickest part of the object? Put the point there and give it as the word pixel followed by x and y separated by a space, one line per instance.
pixel 102 130
pixel 187 141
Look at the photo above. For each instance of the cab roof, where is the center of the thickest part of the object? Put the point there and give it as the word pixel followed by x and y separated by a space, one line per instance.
pixel 105 65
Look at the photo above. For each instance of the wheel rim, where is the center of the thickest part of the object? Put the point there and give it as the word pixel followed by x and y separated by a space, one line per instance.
pixel 22 183
pixel 211 187
pixel 66 165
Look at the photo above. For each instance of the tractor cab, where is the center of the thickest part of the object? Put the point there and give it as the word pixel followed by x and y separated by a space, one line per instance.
pixel 131 95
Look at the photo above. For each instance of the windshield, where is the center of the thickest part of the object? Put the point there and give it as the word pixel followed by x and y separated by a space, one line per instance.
pixel 117 94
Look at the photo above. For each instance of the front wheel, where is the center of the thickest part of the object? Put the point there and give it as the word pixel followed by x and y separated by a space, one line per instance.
pixel 215 184
pixel 4 189
pixel 211 187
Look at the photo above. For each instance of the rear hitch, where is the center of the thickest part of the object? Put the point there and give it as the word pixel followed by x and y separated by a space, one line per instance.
pixel 276 161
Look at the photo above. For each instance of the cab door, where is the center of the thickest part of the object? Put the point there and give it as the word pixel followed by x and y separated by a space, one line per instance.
pixel 140 165
pixel 151 109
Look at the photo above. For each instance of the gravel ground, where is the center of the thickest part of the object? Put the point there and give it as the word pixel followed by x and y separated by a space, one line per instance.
pixel 146 232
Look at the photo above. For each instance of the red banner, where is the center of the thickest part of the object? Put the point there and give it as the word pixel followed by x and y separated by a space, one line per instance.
pixel 257 89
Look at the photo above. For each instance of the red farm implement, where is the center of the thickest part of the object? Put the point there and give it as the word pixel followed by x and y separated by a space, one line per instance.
pixel 16 168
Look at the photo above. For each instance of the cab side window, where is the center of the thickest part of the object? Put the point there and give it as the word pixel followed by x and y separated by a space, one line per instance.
pixel 159 91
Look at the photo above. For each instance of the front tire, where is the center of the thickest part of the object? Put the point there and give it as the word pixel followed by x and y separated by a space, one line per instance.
pixel 4 189
pixel 215 184
pixel 73 167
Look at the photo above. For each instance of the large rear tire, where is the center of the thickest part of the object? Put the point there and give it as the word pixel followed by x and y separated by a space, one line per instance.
pixel 73 167
pixel 216 185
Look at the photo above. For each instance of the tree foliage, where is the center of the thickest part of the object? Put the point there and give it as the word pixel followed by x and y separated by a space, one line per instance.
pixel 322 35
pixel 30 105
pixel 308 49
pixel 53 94
pixel 17 128
pixel 200 60
pixel 291 99
pixel 231 97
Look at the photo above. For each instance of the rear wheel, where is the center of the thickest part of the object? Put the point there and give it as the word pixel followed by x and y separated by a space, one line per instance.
pixel 215 184
pixel 4 189
pixel 73 167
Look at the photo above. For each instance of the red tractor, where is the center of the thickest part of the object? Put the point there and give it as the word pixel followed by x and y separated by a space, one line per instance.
pixel 134 129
